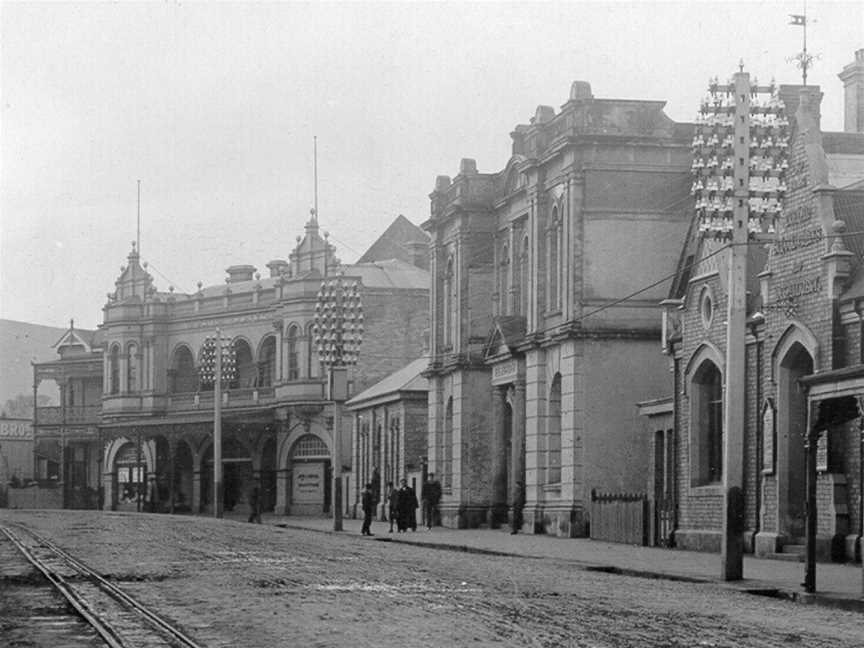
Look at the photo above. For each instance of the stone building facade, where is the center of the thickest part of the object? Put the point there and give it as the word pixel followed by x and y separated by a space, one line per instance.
pixel 537 362
pixel 143 416
pixel 803 359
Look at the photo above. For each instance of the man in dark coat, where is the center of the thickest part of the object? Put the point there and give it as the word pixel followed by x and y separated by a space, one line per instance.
pixel 407 503
pixel 392 496
pixel 430 495
pixel 255 505
pixel 367 500
pixel 518 505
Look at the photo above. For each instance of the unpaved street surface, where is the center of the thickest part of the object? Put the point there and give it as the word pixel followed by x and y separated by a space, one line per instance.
pixel 233 584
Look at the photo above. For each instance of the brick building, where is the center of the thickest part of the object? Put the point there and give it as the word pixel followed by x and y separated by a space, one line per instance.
pixel 803 357
pixel 390 431
pixel 536 360
pixel 136 417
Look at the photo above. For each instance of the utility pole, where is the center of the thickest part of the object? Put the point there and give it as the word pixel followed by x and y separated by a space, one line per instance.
pixel 217 428
pixel 338 334
pixel 739 162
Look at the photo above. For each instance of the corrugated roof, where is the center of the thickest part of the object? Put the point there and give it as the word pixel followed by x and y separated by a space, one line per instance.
pixel 845 169
pixel 408 378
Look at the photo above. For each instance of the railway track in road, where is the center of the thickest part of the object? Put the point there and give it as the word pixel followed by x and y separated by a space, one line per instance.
pixel 119 619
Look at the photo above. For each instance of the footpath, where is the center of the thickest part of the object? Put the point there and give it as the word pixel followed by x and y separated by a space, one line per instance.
pixel 837 585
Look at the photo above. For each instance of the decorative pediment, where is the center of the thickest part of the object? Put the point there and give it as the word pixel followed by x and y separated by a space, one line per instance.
pixel 72 338
pixel 507 331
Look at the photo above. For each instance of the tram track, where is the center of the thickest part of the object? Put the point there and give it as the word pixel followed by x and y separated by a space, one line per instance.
pixel 118 618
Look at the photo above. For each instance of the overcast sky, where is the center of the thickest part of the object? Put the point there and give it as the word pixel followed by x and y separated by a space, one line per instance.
pixel 213 107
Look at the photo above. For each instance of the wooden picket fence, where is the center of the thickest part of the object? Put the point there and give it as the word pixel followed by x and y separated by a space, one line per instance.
pixel 619 517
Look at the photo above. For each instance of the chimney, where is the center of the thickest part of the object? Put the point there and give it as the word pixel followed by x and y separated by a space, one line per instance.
pixel 419 253
pixel 467 167
pixel 852 77
pixel 240 273
pixel 277 266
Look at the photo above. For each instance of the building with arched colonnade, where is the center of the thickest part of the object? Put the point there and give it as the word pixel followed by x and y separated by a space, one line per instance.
pixel 135 426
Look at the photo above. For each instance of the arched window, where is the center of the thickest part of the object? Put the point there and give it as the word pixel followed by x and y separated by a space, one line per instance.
pixel 132 368
pixel 114 362
pixel 504 281
pixel 706 403
pixel 182 375
pixel 267 362
pixel 310 446
pixel 553 294
pixel 293 366
pixel 553 433
pixel 245 366
pixel 311 352
pixel 449 314
pixel 446 469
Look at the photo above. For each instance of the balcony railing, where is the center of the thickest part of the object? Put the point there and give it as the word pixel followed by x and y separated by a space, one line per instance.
pixel 76 415
pixel 230 398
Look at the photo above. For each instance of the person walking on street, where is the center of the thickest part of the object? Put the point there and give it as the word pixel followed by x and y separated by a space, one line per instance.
pixel 518 505
pixel 392 504
pixel 407 503
pixel 255 505
pixel 368 502
pixel 430 495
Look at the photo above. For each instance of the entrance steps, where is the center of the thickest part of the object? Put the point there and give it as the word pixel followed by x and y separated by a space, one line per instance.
pixel 790 553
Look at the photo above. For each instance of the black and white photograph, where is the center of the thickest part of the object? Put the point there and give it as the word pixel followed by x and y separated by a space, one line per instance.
pixel 432 324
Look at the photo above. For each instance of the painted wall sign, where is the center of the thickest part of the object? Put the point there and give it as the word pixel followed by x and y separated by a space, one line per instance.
pixel 768 437
pixel 799 288
pixel 808 238
pixel 308 487
pixel 799 216
pixel 504 371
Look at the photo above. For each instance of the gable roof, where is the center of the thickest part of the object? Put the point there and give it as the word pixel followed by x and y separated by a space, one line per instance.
pixel 396 242
pixel 407 379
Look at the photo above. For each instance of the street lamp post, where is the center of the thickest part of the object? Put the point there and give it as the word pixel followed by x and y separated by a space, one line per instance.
pixel 739 169
pixel 338 333
pixel 217 364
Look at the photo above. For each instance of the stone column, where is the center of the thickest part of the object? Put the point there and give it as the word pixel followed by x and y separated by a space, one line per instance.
pixel 282 474
pixel 499 468
pixel 517 441
pixel 172 459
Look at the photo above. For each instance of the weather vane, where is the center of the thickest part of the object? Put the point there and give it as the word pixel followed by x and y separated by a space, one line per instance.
pixel 803 60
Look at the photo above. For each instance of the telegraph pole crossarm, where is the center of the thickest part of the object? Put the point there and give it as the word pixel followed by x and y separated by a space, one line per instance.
pixel 739 165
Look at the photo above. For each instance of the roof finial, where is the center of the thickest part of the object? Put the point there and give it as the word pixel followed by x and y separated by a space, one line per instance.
pixel 71 323
pixel 741 65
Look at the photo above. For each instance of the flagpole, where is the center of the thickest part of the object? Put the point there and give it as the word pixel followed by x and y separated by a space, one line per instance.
pixel 804 68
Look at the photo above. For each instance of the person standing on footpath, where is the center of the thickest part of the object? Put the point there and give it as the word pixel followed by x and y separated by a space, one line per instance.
pixel 255 505
pixel 407 503
pixel 518 505
pixel 392 501
pixel 430 494
pixel 367 500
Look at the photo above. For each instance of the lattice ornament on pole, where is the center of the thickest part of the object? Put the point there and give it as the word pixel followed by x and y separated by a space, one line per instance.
pixel 338 327
pixel 207 369
pixel 718 172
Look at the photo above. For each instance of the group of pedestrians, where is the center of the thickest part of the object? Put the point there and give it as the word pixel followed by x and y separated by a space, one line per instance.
pixel 402 505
